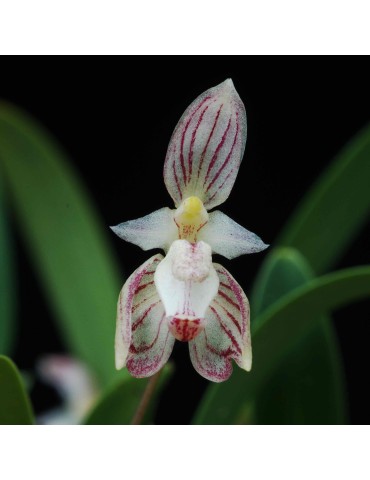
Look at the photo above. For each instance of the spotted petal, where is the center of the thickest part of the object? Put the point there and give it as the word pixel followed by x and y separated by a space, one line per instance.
pixel 143 341
pixel 207 146
pixel 228 238
pixel 156 230
pixel 226 335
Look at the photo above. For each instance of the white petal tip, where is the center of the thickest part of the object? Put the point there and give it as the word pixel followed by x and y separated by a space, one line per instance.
pixel 120 363
pixel 246 363
pixel 228 83
pixel 228 89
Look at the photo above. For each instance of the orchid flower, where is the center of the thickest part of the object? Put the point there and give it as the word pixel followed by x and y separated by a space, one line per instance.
pixel 184 295
pixel 75 384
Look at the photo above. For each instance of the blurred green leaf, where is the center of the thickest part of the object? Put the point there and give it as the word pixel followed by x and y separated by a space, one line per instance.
pixel 15 406
pixel 118 403
pixel 335 208
pixel 281 327
pixel 7 293
pixel 283 270
pixel 307 386
pixel 65 238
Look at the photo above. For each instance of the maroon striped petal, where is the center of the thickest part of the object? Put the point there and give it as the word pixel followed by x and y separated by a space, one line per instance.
pixel 226 335
pixel 143 340
pixel 207 146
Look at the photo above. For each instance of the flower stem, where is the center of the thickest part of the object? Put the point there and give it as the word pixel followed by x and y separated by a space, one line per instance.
pixel 145 399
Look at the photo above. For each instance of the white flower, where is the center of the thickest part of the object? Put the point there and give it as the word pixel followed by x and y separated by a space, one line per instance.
pixel 75 384
pixel 184 295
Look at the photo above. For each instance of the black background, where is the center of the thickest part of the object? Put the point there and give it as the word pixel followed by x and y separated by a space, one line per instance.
pixel 114 117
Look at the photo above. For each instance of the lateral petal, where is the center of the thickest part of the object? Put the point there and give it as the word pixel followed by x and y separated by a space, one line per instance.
pixel 156 230
pixel 207 146
pixel 143 341
pixel 226 335
pixel 152 342
pixel 228 238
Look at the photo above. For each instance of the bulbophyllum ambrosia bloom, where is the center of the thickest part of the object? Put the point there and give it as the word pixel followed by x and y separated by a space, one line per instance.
pixel 184 295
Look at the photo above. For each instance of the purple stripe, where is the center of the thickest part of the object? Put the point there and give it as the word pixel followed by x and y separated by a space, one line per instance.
pixel 145 347
pixel 208 371
pixel 190 157
pixel 228 157
pixel 146 299
pixel 232 318
pixel 238 292
pixel 222 353
pixel 220 187
pixel 228 299
pixel 215 155
pixel 141 287
pixel 142 318
pixel 228 333
pixel 209 139
pixel 182 161
pixel 175 174
pixel 142 367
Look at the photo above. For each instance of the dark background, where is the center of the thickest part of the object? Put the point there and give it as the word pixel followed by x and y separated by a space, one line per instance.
pixel 114 117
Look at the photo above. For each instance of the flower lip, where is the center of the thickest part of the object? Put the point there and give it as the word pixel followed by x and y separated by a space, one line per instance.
pixel 191 262
pixel 185 328
pixel 186 280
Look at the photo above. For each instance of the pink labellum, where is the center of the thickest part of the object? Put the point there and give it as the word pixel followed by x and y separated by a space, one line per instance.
pixel 207 146
pixel 143 340
pixel 226 334
pixel 185 329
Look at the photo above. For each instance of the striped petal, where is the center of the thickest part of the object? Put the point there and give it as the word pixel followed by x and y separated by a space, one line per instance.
pixel 207 146
pixel 226 335
pixel 228 238
pixel 156 230
pixel 186 282
pixel 143 340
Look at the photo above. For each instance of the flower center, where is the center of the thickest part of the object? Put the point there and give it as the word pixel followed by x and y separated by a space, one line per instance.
pixel 190 217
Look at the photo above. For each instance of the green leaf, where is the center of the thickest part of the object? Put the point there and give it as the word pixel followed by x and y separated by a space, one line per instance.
pixel 66 240
pixel 283 270
pixel 7 292
pixel 335 208
pixel 281 327
pixel 307 386
pixel 118 404
pixel 15 406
